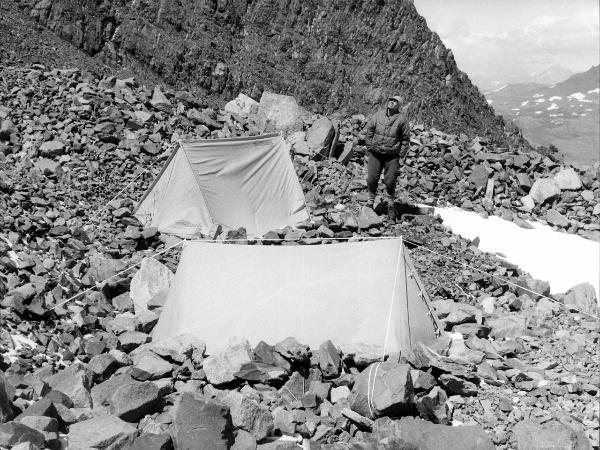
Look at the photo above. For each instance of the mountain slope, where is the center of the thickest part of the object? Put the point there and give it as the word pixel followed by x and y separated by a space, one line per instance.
pixel 565 114
pixel 330 54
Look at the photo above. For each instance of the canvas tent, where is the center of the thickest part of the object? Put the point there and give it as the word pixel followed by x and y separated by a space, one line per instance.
pixel 352 293
pixel 240 182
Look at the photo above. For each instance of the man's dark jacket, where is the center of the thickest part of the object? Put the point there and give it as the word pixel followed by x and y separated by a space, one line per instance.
pixel 387 134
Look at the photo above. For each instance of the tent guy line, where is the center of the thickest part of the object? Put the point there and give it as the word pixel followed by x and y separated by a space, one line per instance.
pixel 362 238
pixel 116 274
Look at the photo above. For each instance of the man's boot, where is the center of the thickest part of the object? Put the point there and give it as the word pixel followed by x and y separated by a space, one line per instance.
pixel 392 213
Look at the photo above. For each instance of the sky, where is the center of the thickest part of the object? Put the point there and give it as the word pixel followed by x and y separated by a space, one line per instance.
pixel 505 40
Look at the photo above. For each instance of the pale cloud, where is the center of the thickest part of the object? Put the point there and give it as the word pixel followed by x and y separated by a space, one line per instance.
pixel 519 39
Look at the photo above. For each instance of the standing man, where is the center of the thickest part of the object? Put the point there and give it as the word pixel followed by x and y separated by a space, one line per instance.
pixel 387 136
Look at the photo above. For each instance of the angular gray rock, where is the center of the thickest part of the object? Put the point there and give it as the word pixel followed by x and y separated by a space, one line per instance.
pixel 382 389
pixel 134 400
pixel 550 435
pixel 101 432
pixel 320 134
pixel 249 415
pixel 75 382
pixel 553 217
pixel 329 359
pixel 221 367
pixel 14 433
pixel 5 408
pixel 582 297
pixel 201 423
pixel 433 406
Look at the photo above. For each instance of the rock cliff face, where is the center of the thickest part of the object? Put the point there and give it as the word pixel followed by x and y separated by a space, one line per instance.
pixel 329 54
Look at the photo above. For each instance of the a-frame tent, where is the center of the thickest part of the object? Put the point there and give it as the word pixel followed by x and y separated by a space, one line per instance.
pixel 239 182
pixel 363 292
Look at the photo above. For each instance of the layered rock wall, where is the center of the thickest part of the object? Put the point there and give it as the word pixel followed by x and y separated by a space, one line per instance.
pixel 329 54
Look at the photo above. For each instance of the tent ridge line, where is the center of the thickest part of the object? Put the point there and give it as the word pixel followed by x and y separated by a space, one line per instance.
pixel 233 139
pixel 158 176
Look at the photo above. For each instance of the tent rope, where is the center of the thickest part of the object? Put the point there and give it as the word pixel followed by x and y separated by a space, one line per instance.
pixel 147 169
pixel 116 274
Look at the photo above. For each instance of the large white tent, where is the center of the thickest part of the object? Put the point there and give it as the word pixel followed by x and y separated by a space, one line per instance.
pixel 352 293
pixel 240 182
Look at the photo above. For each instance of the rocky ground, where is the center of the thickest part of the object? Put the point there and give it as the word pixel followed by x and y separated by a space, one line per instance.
pixel 518 369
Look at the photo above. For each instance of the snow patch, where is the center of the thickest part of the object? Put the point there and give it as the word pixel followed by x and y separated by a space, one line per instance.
pixel 540 100
pixel 555 97
pixel 551 107
pixel 538 112
pixel 537 95
pixel 562 259
pixel 594 91
pixel 524 103
pixel 577 96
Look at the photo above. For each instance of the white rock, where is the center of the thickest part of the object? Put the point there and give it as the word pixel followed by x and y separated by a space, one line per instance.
pixel 151 279
pixel 568 179
pixel 544 189
pixel 282 111
pixel 339 393
pixel 242 106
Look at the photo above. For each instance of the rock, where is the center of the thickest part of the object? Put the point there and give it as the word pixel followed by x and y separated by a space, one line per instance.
pixel 338 394
pixel 361 421
pixel 552 434
pixel 181 347
pixel 524 181
pixel 457 386
pixel 509 325
pixel 152 279
pixel 544 189
pixel 292 350
pixel 582 297
pixel 102 268
pixel 242 106
pixel 329 360
pixel 432 406
pixel 5 408
pixel 152 441
pixel 130 340
pixel 52 148
pixel 244 441
pixel 319 135
pixel 532 287
pixel 160 101
pixel 428 436
pixel 368 219
pixel 151 364
pixel 587 195
pixel 488 305
pixel 201 423
pixel 528 203
pixel 422 381
pixel 103 366
pixel 102 393
pixel 221 367
pixel 101 432
pixel 568 179
pixel 75 382
pixel 249 415
pixel 390 388
pixel 553 217
pixel 134 400
pixel 283 420
pixel 479 176
pixel 14 433
pixel 281 111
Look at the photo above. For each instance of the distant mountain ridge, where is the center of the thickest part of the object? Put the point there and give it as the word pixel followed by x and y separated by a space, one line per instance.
pixel 565 114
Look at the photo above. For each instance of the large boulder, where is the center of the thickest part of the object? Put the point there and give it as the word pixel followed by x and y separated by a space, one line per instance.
pixel 382 389
pixel 101 432
pixel 201 423
pixel 320 135
pixel 418 433
pixel 249 415
pixel 160 101
pixel 433 406
pixel 568 179
pixel 544 189
pixel 152 279
pixel 102 268
pixel 550 435
pixel 242 106
pixel 553 217
pixel 221 367
pixel 75 382
pixel 134 400
pixel 510 325
pixel 14 433
pixel 582 297
pixel 282 112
